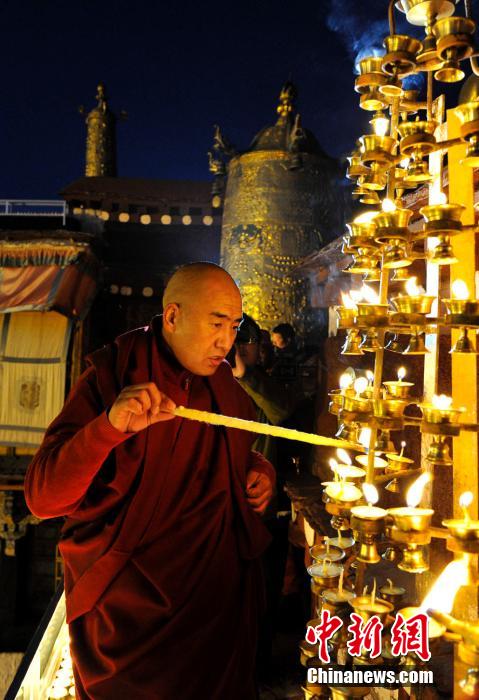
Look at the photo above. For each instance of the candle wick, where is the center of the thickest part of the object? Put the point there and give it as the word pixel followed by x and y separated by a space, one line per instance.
pixel 467 517
pixel 373 593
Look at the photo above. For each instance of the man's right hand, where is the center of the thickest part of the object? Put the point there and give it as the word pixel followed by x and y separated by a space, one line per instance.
pixel 138 406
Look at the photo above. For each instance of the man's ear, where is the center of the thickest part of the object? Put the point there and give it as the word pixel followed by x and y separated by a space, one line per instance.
pixel 170 317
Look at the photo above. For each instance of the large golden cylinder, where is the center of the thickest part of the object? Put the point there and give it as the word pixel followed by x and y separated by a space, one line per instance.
pixel 276 212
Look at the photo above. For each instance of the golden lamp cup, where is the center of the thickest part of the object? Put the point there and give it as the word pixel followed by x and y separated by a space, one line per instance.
pixel 398 389
pixel 336 397
pixel 435 628
pixel 396 255
pixel 417 138
pixel 464 344
pixel 417 172
pixel 400 55
pixel 366 608
pixel 454 39
pixel 389 408
pixel 462 307
pixel 362 263
pixel 352 345
pixel 393 594
pixel 370 64
pixel 372 310
pixel 440 416
pixel 361 234
pixel 367 524
pixel 410 520
pixel 373 100
pixel 442 219
pixel 357 404
pixel 320 552
pixel 324 575
pixel 392 224
pixel 422 13
pixel 374 180
pixel 356 168
pixel 346 316
pixel 377 149
pixel 443 253
pixel 417 304
pixel 438 452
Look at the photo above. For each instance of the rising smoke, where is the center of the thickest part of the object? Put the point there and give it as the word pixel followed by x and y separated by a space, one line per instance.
pixel 362 26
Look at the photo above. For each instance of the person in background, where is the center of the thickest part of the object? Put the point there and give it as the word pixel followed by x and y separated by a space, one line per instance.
pixel 274 402
pixel 283 337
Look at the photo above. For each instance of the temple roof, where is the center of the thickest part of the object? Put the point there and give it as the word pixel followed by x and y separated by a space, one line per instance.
pixel 287 134
pixel 135 188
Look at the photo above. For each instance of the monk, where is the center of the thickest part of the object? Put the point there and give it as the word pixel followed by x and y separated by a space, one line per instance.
pixel 163 529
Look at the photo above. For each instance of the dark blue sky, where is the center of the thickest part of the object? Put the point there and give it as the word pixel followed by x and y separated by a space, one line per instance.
pixel 177 68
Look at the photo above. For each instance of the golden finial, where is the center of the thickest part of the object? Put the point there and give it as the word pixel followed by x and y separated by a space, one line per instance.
pixel 101 138
pixel 287 98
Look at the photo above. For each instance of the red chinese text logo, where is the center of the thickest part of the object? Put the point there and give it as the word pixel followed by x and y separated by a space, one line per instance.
pixel 410 635
pixel 365 636
pixel 323 632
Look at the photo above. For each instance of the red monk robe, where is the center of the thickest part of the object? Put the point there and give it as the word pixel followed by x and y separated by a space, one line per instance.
pixel 162 579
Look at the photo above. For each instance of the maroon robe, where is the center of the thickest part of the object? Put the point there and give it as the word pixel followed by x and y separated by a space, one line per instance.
pixel 162 579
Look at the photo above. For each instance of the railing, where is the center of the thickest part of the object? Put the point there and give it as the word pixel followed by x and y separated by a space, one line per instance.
pixel 34 207
pixel 42 657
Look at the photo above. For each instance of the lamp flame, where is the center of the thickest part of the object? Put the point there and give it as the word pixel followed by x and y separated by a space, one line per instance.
pixel 442 594
pixel 370 493
pixel 415 491
pixel 465 499
pixel 369 376
pixel 366 217
pixel 380 124
pixel 388 205
pixel 404 162
pixel 440 198
pixel 401 373
pixel 348 303
pixel 365 437
pixel 442 402
pixel 343 456
pixel 345 380
pixel 369 295
pixel 412 288
pixel 356 295
pixel 459 290
pixel 360 385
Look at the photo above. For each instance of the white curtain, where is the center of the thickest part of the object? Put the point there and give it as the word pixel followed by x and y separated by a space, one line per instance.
pixel 33 354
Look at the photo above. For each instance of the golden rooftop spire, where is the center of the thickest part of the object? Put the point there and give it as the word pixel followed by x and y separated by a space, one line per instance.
pixel 101 138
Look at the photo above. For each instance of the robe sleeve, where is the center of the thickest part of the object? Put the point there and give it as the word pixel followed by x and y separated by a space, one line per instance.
pixel 260 464
pixel 73 450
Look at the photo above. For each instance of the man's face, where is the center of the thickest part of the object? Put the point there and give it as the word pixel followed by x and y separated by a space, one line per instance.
pixel 205 327
pixel 278 340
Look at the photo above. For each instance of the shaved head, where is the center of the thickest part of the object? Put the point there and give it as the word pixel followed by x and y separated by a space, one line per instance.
pixel 196 278
pixel 202 311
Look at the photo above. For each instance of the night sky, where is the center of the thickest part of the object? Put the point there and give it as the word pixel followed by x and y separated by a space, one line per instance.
pixel 177 68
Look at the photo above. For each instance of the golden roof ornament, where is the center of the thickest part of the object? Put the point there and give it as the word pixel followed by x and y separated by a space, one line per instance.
pixel 101 138
pixel 287 99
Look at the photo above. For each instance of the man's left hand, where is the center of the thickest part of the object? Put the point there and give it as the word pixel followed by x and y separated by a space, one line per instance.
pixel 259 491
